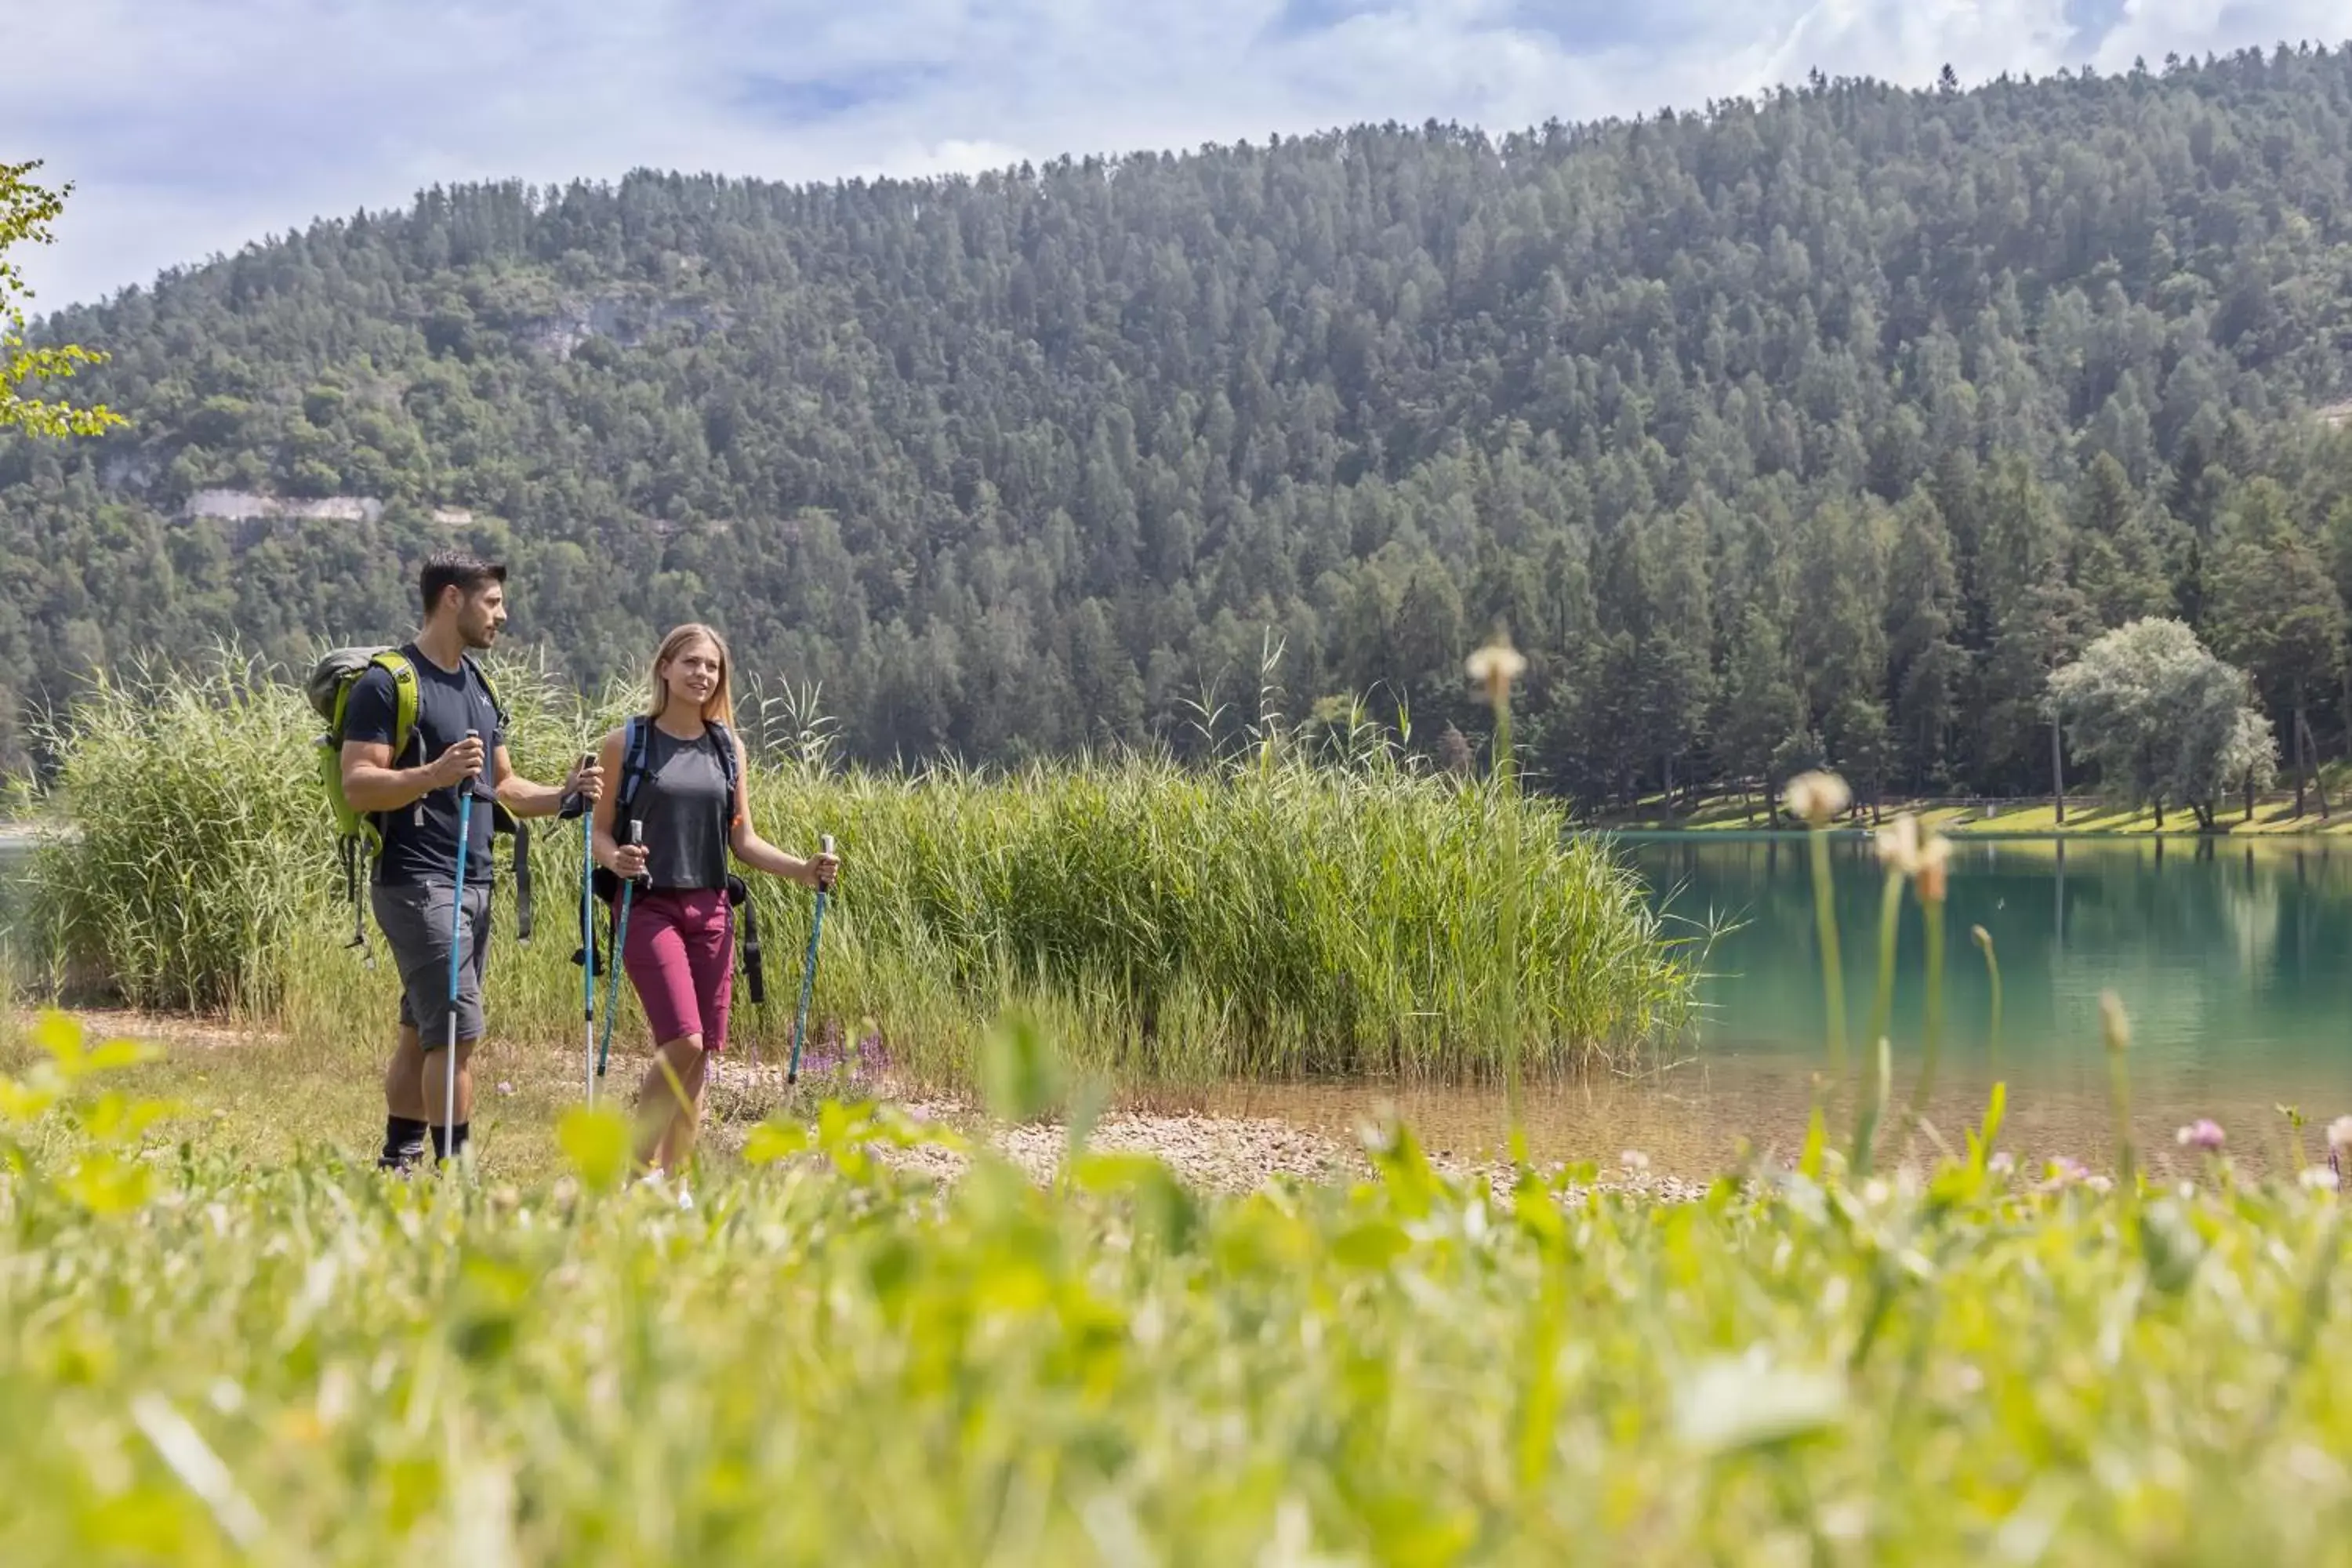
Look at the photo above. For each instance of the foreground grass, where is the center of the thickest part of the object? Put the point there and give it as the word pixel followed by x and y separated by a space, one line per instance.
pixel 218 1360
pixel 1275 916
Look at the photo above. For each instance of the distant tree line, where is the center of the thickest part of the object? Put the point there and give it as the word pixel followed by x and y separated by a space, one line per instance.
pixel 1819 428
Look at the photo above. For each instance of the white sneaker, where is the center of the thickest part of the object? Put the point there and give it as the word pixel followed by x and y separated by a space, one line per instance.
pixel 659 1183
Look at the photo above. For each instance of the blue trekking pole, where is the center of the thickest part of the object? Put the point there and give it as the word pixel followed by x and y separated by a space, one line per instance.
pixel 588 946
pixel 620 940
pixel 456 935
pixel 808 972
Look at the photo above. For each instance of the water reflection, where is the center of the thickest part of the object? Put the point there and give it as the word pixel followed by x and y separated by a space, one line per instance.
pixel 2234 961
pixel 2235 956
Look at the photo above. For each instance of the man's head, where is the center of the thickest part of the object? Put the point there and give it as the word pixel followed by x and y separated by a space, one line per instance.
pixel 465 592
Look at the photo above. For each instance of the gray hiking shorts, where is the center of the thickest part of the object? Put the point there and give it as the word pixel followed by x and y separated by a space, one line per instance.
pixel 414 918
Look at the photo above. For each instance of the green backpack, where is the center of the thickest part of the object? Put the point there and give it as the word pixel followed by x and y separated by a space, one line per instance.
pixel 360 834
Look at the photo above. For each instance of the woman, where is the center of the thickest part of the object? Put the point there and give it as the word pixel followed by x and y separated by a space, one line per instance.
pixel 683 789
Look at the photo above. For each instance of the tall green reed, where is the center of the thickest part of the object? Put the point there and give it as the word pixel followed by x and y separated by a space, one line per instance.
pixel 1934 869
pixel 1297 910
pixel 2116 1026
pixel 1494 668
pixel 1983 939
pixel 1817 798
pixel 1909 860
pixel 175 886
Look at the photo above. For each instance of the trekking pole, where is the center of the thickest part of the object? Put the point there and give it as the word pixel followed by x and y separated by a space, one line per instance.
pixel 456 934
pixel 620 937
pixel 588 945
pixel 754 964
pixel 808 969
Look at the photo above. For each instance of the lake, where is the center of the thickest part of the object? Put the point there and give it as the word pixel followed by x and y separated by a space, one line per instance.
pixel 2234 963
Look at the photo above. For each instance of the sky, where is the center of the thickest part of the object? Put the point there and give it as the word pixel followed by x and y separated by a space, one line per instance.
pixel 190 128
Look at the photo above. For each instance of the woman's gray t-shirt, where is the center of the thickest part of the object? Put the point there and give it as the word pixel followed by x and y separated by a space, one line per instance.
pixel 685 809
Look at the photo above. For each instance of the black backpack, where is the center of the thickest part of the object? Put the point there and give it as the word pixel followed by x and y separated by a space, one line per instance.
pixel 636 745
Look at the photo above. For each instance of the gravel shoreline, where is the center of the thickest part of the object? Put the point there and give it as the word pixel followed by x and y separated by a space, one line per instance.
pixel 1229 1154
pixel 1210 1150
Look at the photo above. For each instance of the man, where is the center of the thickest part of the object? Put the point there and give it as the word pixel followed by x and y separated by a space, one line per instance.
pixel 414 797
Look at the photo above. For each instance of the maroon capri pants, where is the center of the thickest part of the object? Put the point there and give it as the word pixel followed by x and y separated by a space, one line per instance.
pixel 680 957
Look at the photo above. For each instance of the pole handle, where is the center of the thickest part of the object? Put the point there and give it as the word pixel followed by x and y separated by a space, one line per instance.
pixel 825 846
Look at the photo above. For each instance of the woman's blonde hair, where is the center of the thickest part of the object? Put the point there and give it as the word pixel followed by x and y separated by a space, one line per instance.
pixel 720 707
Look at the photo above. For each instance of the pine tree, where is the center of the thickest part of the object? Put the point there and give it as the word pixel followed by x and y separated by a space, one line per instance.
pixel 1927 664
pixel 2277 614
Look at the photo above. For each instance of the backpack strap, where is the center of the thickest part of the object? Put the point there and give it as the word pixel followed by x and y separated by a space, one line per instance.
pixel 636 744
pixel 367 839
pixel 739 892
pixel 521 831
pixel 490 686
pixel 402 674
pixel 503 821
pixel 725 738
pixel 394 663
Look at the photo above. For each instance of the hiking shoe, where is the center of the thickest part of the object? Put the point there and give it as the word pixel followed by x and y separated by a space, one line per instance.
pixel 659 1183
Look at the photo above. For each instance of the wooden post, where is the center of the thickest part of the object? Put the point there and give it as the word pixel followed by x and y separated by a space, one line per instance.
pixel 2058 770
pixel 2311 753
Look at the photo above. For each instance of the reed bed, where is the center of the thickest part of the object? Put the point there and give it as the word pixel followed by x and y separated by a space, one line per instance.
pixel 1281 914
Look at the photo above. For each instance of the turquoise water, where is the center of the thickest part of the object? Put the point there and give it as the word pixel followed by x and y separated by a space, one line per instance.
pixel 2234 963
pixel 2236 969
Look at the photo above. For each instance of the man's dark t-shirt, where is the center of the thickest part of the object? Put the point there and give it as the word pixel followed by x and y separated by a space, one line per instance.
pixel 420 840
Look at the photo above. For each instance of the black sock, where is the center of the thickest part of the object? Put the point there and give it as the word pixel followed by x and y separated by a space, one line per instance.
pixel 403 1141
pixel 444 1148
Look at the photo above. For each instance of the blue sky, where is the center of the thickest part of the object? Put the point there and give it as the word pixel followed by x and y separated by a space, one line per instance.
pixel 190 126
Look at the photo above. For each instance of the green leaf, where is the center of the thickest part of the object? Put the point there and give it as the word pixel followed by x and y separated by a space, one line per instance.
pixel 1019 1071
pixel 1373 1245
pixel 1164 1208
pixel 114 1055
pixel 1809 1162
pixel 595 1143
pixel 773 1141
pixel 58 1037
pixel 1730 1404
pixel 1536 1208
pixel 1086 1109
pixel 2171 1245
pixel 1412 1185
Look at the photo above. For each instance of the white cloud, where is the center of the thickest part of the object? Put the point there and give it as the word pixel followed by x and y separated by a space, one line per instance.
pixel 195 127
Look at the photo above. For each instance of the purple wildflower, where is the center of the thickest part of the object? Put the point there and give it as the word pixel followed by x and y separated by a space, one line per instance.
pixel 2204 1133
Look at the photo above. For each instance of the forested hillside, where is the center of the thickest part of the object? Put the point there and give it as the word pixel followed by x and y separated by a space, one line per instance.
pixel 1817 427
